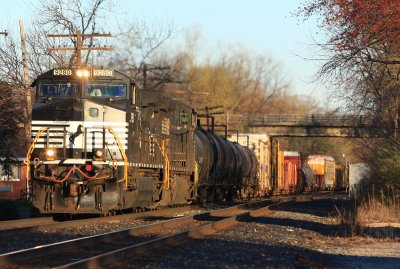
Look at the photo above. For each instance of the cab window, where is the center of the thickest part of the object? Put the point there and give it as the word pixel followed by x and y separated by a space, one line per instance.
pixel 57 89
pixel 103 90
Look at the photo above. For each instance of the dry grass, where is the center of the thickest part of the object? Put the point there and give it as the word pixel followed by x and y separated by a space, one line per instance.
pixel 374 210
pixel 371 216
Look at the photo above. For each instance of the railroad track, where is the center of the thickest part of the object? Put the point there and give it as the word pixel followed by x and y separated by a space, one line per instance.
pixel 24 223
pixel 112 249
pixel 21 226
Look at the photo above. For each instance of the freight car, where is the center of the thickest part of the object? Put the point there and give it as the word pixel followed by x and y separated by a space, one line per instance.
pixel 279 171
pixel 100 144
pixel 259 144
pixel 226 169
pixel 324 168
pixel 292 178
pixel 357 173
pixel 309 178
pixel 286 175
pixel 341 177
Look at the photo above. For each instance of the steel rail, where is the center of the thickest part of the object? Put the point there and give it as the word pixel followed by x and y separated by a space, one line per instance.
pixel 117 257
pixel 22 223
pixel 35 253
pixel 22 226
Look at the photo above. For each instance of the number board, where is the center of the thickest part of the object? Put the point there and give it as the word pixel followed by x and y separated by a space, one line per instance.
pixel 103 73
pixel 62 72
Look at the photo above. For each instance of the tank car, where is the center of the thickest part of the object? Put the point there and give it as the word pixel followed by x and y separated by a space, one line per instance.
pixel 226 169
pixel 101 144
pixel 308 175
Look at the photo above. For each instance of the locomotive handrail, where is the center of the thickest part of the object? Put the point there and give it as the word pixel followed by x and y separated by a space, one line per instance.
pixel 30 150
pixel 166 177
pixel 121 148
pixel 196 173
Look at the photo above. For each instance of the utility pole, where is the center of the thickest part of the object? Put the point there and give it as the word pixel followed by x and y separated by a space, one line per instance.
pixel 27 95
pixel 79 45
pixel 27 90
pixel 146 68
pixel 25 64
pixel 4 33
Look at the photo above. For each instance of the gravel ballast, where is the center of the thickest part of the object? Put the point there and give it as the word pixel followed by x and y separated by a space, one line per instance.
pixel 286 239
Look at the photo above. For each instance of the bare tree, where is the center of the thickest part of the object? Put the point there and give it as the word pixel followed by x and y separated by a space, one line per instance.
pixel 361 57
pixel 54 16
pixel 14 113
pixel 137 49
pixel 68 17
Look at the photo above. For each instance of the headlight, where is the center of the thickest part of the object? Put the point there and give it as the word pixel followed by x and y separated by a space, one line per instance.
pixel 82 73
pixel 98 153
pixel 50 154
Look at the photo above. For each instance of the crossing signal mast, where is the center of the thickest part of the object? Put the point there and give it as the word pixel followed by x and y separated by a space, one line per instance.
pixel 79 44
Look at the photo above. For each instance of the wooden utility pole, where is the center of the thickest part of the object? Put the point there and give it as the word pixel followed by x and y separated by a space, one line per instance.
pixel 25 64
pixel 79 45
pixel 27 91
pixel 27 109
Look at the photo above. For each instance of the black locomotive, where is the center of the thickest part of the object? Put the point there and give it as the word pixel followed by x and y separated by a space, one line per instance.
pixel 100 144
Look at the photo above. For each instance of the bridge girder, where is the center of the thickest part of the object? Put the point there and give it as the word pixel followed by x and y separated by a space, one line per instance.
pixel 310 131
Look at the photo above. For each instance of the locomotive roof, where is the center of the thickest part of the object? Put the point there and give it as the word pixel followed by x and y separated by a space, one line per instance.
pixel 71 74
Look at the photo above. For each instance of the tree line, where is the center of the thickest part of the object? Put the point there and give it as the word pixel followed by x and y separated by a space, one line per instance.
pixel 240 82
pixel 362 58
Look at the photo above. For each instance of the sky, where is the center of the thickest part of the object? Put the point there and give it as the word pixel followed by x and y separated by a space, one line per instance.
pixel 262 27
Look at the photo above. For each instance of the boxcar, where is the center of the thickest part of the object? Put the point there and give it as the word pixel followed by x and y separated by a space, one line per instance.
pixel 341 177
pixel 357 172
pixel 292 171
pixel 324 168
pixel 260 145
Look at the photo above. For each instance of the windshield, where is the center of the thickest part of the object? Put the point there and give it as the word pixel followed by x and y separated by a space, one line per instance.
pixel 57 89
pixel 104 90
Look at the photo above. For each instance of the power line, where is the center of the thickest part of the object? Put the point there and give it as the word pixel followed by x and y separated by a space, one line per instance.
pixel 79 44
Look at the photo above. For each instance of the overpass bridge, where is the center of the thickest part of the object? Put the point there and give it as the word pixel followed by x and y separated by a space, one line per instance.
pixel 313 125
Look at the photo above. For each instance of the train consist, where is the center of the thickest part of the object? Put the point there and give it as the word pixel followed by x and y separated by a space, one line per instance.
pixel 101 144
pixel 283 171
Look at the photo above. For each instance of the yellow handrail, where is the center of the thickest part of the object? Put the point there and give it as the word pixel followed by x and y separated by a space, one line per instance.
pixel 196 173
pixel 121 148
pixel 30 150
pixel 166 176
